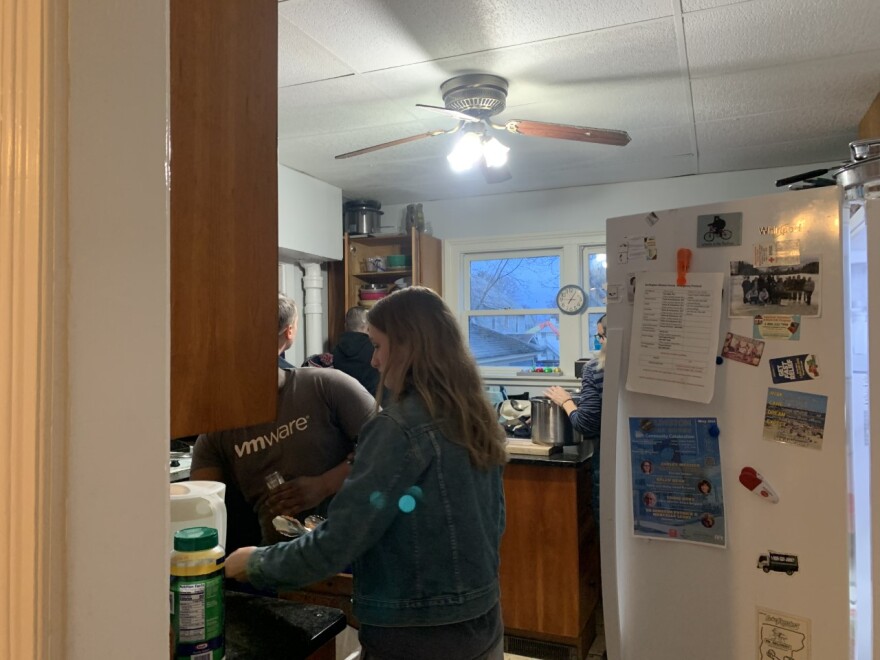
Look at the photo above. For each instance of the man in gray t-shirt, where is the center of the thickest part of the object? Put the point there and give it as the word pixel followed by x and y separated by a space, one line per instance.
pixel 320 413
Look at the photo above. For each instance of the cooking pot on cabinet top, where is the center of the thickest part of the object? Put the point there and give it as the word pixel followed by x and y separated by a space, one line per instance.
pixel 362 216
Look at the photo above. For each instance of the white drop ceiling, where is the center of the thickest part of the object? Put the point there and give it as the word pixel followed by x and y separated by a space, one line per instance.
pixel 700 85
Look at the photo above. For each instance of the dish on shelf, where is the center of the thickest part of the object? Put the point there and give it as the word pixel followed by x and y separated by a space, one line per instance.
pixel 395 261
pixel 372 295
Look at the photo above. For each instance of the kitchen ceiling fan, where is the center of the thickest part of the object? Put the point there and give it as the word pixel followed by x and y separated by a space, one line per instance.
pixel 473 99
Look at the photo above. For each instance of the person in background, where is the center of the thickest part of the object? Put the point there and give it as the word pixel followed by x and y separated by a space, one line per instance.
pixel 320 413
pixel 809 287
pixel 586 414
pixel 353 353
pixel 421 515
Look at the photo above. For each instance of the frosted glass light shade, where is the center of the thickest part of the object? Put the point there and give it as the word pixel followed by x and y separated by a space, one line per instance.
pixel 494 152
pixel 466 153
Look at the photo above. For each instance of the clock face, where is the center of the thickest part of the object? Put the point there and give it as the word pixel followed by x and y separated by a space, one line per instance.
pixel 571 299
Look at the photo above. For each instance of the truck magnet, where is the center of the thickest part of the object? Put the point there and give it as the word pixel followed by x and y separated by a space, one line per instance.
pixel 778 561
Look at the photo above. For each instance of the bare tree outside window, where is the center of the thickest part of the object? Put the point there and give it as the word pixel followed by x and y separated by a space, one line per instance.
pixel 526 332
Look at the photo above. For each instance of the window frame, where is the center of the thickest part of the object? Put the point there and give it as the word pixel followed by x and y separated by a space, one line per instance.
pixel 572 248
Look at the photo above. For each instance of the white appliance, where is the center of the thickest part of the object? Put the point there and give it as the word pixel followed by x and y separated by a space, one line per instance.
pixel 776 580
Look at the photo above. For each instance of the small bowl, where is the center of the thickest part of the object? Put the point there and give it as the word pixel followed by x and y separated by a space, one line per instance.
pixel 396 261
pixel 374 287
pixel 372 295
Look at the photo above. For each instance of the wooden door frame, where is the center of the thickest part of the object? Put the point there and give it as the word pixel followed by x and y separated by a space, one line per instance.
pixel 33 205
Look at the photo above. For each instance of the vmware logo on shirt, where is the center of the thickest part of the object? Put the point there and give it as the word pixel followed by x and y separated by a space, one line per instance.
pixel 262 442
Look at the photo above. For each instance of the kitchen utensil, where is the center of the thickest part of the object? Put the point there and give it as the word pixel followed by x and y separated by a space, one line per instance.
pixel 375 287
pixel 374 264
pixel 312 521
pixel 550 424
pixel 292 528
pixel 514 409
pixel 362 216
pixel 289 526
pixel 198 504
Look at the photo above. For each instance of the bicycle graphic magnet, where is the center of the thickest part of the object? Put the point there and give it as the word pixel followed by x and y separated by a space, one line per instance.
pixel 721 230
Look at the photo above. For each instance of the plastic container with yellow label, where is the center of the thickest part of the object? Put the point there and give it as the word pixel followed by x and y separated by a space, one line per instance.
pixel 197 608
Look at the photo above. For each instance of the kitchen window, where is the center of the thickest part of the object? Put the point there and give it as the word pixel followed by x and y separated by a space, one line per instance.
pixel 505 294
pixel 511 312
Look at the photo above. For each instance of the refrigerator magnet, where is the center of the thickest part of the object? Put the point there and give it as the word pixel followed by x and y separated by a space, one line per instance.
pixel 742 349
pixel 719 230
pixel 779 562
pixel 794 368
pixel 755 482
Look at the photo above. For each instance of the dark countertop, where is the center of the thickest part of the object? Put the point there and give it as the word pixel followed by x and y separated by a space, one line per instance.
pixel 572 456
pixel 265 628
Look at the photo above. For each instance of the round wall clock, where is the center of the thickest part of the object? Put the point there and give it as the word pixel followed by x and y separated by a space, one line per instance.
pixel 571 299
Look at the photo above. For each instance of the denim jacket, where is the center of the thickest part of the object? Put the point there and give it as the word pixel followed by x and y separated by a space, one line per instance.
pixel 420 525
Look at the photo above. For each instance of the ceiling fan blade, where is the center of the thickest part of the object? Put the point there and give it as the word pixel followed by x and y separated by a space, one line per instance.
pixel 568 132
pixel 461 116
pixel 394 143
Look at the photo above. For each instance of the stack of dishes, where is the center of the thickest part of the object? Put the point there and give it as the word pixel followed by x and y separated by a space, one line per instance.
pixel 370 294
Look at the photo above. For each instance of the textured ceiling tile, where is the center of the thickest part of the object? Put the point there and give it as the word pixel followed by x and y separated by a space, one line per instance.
pixel 783 126
pixel 778 84
pixel 828 148
pixel 302 60
pixel 848 81
pixel 700 5
pixel 609 73
pixel 334 105
pixel 766 33
pixel 625 106
pixel 376 34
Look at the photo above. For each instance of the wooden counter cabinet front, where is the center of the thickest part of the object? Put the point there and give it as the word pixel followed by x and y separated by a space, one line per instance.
pixel 549 559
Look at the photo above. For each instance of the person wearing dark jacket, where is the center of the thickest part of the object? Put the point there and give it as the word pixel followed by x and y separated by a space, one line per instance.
pixel 354 351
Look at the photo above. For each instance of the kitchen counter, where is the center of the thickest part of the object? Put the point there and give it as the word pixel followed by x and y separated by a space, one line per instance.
pixel 265 628
pixel 572 456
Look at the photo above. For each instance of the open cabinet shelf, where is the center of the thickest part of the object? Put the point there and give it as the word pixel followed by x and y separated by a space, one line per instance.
pixel 424 254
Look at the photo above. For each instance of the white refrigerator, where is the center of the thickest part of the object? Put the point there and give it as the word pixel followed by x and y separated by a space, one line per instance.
pixel 734 466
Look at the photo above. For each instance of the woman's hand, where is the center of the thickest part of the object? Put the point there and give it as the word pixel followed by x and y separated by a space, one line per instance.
pixel 236 564
pixel 558 395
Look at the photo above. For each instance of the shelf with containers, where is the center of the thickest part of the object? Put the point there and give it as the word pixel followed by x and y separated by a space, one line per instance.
pixel 423 256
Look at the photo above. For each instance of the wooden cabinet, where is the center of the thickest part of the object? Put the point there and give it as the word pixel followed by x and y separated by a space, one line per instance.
pixel 550 573
pixel 346 277
pixel 224 213
pixel 869 126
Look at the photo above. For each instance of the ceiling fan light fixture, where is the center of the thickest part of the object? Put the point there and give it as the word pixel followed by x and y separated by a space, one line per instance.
pixel 466 153
pixel 494 152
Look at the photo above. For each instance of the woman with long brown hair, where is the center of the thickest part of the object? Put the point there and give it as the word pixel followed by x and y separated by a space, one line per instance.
pixel 421 515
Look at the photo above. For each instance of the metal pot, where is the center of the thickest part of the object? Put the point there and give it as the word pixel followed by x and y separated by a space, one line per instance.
pixel 361 216
pixel 550 424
